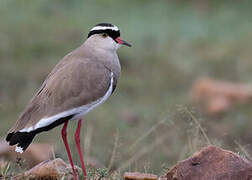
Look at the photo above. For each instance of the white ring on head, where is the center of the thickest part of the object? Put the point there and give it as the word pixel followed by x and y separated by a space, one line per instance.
pixel 115 28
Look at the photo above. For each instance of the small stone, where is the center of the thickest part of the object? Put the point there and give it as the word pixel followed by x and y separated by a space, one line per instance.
pixel 139 176
pixel 50 169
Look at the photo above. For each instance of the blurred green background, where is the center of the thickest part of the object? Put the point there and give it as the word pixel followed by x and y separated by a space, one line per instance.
pixel 174 43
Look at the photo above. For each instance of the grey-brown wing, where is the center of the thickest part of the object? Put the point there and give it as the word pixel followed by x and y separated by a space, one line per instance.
pixel 75 84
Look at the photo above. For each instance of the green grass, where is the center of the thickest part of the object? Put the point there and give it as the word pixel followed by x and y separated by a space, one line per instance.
pixel 174 43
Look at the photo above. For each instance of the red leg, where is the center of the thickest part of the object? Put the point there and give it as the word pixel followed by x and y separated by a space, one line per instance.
pixel 64 137
pixel 77 140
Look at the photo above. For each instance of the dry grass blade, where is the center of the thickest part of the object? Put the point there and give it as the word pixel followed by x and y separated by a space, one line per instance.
pixel 142 152
pixel 198 124
pixel 112 159
pixel 6 170
pixel 88 140
pixel 54 157
pixel 153 128
pixel 183 152
pixel 243 150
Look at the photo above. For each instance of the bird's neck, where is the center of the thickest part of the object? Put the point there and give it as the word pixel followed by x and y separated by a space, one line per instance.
pixel 92 50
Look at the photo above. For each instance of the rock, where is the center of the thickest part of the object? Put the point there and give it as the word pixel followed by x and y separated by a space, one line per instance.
pixel 162 178
pixel 139 176
pixel 218 97
pixel 218 105
pixel 50 169
pixel 212 163
pixel 34 154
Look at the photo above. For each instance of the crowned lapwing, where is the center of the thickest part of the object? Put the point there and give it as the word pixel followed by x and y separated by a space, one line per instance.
pixel 81 81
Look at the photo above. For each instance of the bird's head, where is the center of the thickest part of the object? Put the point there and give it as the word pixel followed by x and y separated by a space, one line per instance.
pixel 106 36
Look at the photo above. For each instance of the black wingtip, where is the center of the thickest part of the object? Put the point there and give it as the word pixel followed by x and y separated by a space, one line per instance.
pixel 8 138
pixel 22 139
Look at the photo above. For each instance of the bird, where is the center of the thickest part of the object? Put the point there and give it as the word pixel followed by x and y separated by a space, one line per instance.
pixel 81 81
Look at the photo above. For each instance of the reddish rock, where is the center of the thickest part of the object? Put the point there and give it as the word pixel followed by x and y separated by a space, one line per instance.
pixel 219 96
pixel 139 176
pixel 212 163
pixel 218 105
pixel 34 154
pixel 51 169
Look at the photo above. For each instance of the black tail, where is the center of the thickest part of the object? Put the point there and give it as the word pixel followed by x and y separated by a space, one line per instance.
pixel 24 139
